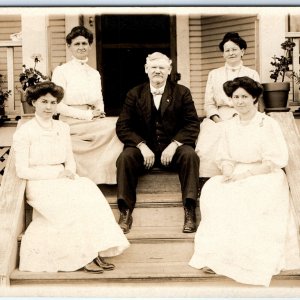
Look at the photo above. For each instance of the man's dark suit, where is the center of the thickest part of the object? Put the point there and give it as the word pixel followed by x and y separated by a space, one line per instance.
pixel 179 122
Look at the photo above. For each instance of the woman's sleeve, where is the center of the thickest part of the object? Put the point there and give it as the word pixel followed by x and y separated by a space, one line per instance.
pixel 100 103
pixel 210 105
pixel 274 147
pixel 70 163
pixel 223 156
pixel 59 78
pixel 21 147
pixel 73 112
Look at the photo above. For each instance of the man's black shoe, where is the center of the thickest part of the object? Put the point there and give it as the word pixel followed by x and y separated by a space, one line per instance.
pixel 189 220
pixel 125 220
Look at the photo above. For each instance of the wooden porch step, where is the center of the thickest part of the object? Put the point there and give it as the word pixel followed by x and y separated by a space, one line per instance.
pixel 144 199
pixel 160 213
pixel 153 271
pixel 133 272
pixel 164 216
pixel 155 181
pixel 142 234
pixel 154 234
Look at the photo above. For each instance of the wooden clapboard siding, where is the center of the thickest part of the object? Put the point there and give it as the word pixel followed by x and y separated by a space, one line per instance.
pixel 10 24
pixel 57 44
pixel 206 32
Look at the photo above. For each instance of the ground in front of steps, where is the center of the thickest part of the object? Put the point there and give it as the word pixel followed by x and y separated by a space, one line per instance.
pixel 172 289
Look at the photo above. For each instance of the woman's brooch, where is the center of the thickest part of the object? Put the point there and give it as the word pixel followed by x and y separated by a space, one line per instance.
pixel 261 124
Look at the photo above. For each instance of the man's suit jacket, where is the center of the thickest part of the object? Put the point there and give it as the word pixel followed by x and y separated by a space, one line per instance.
pixel 179 116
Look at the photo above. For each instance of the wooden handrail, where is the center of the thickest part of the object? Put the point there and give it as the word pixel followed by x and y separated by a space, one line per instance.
pixel 12 215
pixel 290 131
pixel 11 218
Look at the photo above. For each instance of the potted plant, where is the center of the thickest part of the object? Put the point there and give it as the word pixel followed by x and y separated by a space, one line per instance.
pixel 30 77
pixel 4 94
pixel 276 93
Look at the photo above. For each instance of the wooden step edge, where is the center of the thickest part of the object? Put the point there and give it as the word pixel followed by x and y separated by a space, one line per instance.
pixel 147 272
pixel 160 197
pixel 160 234
pixel 150 205
pixel 124 271
pixel 153 235
pixel 135 239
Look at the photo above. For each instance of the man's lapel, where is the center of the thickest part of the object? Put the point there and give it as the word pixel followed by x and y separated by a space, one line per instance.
pixel 145 102
pixel 166 99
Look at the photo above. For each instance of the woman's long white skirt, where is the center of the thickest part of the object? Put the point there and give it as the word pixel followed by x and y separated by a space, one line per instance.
pixel 72 222
pixel 247 231
pixel 96 148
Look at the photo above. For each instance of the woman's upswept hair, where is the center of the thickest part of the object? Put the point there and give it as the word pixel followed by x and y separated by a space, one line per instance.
pixel 251 86
pixel 79 31
pixel 235 38
pixel 34 92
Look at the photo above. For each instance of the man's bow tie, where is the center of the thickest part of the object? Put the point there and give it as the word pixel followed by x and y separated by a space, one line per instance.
pixel 157 92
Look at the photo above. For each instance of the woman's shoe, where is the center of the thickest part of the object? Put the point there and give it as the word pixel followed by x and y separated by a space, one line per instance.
pixel 103 264
pixel 93 267
pixel 208 270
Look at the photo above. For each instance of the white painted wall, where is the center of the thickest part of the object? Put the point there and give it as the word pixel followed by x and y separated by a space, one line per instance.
pixel 34 40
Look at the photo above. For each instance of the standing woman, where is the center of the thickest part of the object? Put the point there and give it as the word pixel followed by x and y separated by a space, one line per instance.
pixel 248 230
pixel 218 106
pixel 72 226
pixel 95 144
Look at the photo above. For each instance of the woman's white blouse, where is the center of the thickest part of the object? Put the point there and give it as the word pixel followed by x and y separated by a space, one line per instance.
pixel 82 85
pixel 42 154
pixel 214 93
pixel 259 141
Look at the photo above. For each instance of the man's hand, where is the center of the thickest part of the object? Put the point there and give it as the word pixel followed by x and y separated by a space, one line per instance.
pixel 148 155
pixel 168 153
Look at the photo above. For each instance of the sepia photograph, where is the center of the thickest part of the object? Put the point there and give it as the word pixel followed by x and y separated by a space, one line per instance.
pixel 150 152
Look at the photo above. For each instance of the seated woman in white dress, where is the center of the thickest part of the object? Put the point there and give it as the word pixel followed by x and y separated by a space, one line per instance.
pixel 217 105
pixel 96 146
pixel 247 231
pixel 72 226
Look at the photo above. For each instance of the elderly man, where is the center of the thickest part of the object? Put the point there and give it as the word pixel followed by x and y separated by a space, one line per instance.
pixel 158 126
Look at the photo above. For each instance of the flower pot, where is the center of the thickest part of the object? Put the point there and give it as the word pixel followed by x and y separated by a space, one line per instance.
pixel 3 116
pixel 27 108
pixel 276 94
pixel 2 110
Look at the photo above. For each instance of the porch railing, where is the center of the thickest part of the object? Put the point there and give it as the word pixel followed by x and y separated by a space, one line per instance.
pixel 295 37
pixel 10 47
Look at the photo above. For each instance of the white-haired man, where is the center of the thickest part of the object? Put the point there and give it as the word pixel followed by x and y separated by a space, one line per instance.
pixel 158 126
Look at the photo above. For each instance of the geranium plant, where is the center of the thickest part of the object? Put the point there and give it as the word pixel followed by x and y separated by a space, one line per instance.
pixel 4 94
pixel 281 63
pixel 31 76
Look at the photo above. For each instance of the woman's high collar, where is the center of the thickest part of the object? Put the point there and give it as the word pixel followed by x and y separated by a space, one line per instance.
pixel 227 66
pixel 80 61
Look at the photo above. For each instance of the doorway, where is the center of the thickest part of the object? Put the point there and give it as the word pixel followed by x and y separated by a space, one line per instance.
pixel 122 45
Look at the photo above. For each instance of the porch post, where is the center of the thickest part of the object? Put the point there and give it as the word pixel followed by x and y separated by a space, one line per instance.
pixel 35 40
pixel 271 34
pixel 183 48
